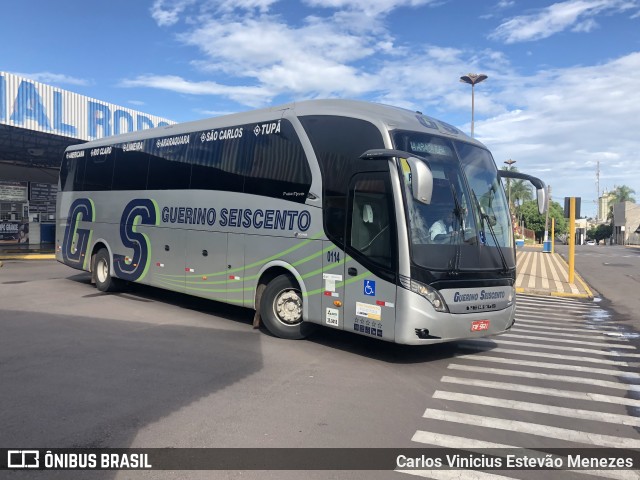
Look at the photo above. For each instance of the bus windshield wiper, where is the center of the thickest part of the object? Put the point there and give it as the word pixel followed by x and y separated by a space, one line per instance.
pixel 486 220
pixel 454 264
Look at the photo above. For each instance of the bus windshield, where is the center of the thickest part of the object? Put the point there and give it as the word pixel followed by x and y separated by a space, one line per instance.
pixel 468 211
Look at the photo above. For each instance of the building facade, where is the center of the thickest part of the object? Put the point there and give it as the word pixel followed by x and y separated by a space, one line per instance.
pixel 626 226
pixel 37 123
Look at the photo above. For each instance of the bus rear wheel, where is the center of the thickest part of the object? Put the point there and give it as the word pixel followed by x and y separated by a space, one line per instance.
pixel 102 269
pixel 281 309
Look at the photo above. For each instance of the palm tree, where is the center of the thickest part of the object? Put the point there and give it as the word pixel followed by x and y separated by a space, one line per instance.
pixel 520 192
pixel 623 194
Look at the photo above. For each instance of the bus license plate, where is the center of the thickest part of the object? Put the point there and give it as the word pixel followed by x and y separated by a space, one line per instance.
pixel 479 325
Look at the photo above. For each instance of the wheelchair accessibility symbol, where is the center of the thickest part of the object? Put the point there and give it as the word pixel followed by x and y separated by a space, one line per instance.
pixel 370 288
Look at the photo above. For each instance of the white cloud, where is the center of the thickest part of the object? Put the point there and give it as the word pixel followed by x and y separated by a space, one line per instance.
pixel 243 94
pixel 576 14
pixel 556 123
pixel 167 12
pixel 55 78
pixel 368 7
pixel 570 119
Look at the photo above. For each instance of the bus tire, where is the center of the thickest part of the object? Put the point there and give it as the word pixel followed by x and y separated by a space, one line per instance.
pixel 281 309
pixel 102 268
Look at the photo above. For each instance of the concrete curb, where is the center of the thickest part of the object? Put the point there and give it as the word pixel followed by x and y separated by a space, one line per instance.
pixel 549 293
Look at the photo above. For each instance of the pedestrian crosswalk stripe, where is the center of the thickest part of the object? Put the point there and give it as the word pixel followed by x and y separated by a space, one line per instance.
pixel 556 366
pixel 605 344
pixel 600 328
pixel 555 356
pixel 523 267
pixel 539 408
pixel 547 376
pixel 540 318
pixel 515 387
pixel 451 441
pixel 454 474
pixel 525 326
pixel 532 277
pixel 555 301
pixel 537 311
pixel 607 353
pixel 533 429
pixel 569 343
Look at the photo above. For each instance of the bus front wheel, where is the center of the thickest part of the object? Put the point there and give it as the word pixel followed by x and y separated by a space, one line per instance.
pixel 281 309
pixel 102 270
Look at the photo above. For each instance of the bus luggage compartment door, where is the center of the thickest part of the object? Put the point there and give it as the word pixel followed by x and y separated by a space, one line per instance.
pixel 206 265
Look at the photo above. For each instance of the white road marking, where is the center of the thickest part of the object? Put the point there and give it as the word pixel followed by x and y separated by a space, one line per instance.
pixel 533 429
pixel 556 366
pixel 539 408
pixel 547 376
pixel 562 340
pixel 553 392
pixel 555 356
pixel 559 347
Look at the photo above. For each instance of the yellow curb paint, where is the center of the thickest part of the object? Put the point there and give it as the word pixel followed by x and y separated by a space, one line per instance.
pixel 571 295
pixel 589 294
pixel 35 256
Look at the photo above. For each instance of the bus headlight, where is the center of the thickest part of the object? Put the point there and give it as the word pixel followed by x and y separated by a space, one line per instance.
pixel 431 294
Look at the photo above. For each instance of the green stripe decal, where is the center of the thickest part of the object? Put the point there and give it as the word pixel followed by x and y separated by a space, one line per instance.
pixel 258 262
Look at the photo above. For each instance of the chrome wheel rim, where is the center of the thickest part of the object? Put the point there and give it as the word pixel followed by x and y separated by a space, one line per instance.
pixel 102 271
pixel 288 307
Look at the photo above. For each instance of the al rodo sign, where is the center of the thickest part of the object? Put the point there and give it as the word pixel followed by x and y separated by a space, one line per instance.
pixel 36 106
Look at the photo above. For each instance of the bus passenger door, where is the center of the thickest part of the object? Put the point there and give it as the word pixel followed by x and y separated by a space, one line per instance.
pixel 370 266
pixel 206 265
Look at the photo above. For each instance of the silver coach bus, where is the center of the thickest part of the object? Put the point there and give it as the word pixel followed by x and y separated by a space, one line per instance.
pixel 356 216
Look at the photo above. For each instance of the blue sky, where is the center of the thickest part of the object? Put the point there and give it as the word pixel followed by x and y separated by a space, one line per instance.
pixel 562 92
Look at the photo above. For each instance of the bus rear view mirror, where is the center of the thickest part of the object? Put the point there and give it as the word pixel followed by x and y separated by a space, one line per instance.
pixel 541 195
pixel 420 176
pixel 541 188
pixel 421 180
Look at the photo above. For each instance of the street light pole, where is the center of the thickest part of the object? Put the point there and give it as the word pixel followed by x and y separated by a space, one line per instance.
pixel 472 79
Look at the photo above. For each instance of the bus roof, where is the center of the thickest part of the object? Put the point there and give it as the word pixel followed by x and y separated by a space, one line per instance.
pixel 386 117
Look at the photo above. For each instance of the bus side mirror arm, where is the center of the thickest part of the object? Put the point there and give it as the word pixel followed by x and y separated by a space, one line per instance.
pixel 421 176
pixel 541 188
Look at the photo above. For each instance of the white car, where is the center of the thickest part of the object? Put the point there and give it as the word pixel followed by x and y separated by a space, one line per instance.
pixel 591 242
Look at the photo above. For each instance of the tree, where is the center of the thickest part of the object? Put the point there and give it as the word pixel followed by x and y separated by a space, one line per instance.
pixel 520 192
pixel 602 232
pixel 623 194
pixel 517 191
pixel 535 221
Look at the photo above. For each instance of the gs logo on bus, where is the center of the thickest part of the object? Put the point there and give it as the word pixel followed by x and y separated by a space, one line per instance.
pixel 76 240
pixel 141 211
pixel 132 267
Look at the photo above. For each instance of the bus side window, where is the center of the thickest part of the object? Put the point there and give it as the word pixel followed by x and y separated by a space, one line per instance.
pixel 277 166
pixel 216 165
pixel 130 169
pixel 168 166
pixel 99 170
